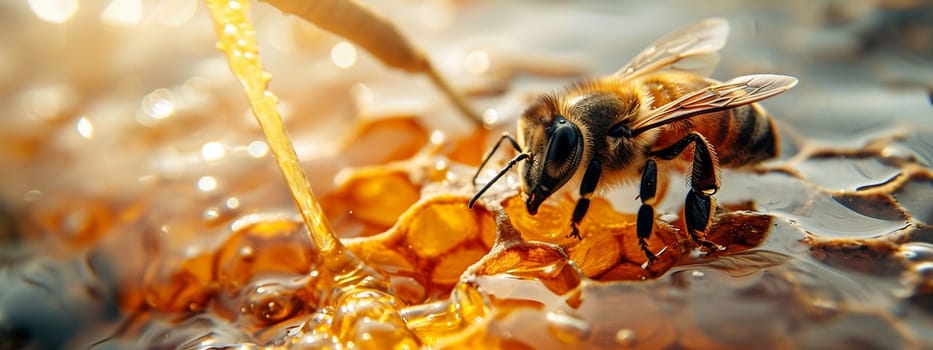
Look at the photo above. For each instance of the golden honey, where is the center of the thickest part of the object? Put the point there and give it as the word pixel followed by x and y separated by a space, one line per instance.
pixel 828 246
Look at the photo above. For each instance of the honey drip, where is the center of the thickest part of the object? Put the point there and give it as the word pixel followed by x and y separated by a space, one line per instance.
pixel 237 39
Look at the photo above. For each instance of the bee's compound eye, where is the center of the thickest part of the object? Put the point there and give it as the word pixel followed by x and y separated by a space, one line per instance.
pixel 562 144
pixel 558 122
pixel 562 140
pixel 563 153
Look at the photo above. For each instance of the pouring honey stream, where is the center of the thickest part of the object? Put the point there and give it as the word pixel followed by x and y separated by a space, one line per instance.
pixel 237 40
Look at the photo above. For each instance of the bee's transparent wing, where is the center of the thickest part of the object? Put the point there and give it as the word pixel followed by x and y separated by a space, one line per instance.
pixel 692 48
pixel 736 92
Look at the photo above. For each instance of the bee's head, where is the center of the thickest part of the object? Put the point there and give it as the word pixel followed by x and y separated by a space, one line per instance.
pixel 555 146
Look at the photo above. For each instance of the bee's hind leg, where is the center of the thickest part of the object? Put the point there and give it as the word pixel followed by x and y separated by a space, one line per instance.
pixel 697 216
pixel 704 182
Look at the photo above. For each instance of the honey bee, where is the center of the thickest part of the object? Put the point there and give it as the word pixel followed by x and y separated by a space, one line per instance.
pixel 658 107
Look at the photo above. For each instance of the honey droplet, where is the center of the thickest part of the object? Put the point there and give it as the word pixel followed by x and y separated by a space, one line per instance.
pixel 370 319
pixel 568 329
pixel 625 337
pixel 272 302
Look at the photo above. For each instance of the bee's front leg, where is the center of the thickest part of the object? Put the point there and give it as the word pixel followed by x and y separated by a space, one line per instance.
pixel 587 187
pixel 704 182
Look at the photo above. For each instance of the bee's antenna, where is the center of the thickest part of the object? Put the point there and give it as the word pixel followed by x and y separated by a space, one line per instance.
pixel 505 136
pixel 509 165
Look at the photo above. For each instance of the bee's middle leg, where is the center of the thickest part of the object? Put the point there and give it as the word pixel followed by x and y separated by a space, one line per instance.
pixel 587 187
pixel 644 226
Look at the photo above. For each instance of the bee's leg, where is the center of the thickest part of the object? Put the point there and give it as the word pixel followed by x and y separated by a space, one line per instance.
pixel 648 191
pixel 704 182
pixel 587 187
pixel 697 210
pixel 505 136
